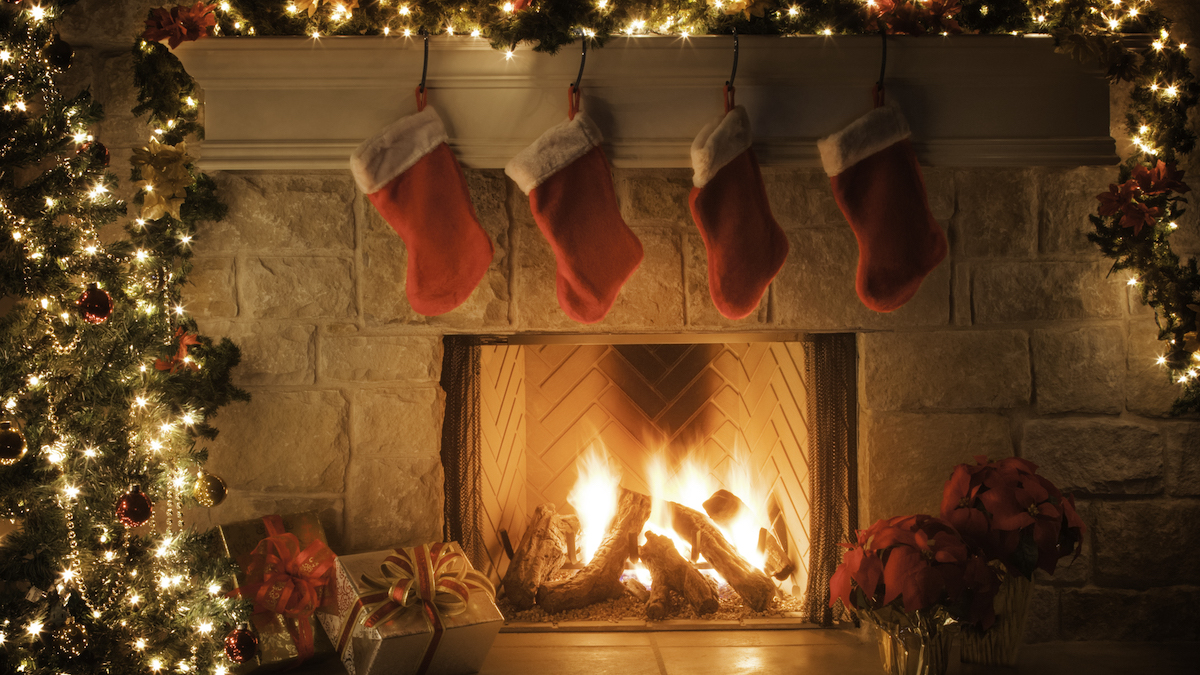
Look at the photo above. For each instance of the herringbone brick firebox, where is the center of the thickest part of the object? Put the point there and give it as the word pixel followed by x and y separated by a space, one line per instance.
pixel 732 408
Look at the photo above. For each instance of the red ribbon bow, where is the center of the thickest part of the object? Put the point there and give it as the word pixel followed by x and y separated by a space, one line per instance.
pixel 436 576
pixel 285 580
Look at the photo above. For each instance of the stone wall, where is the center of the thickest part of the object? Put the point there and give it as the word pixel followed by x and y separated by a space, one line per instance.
pixel 1019 343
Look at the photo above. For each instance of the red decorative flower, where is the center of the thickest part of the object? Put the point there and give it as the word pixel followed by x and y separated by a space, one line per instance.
pixel 1116 198
pixel 915 17
pixel 1160 180
pixel 1014 515
pixel 180 24
pixel 1137 215
pixel 923 563
pixel 180 359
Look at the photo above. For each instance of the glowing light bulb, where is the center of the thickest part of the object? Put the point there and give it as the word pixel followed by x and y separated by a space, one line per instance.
pixel 386 30
pixel 508 55
pixel 827 31
pixel 5 56
pixel 508 7
pixel 50 201
pixel 1158 45
pixel 71 491
pixel 1133 282
pixel 407 33
pixel 205 627
pixel 1161 360
pixel 475 33
pixel 449 30
pixel 602 4
pixel 34 628
pixel 224 6
pixel 792 11
pixel 140 643
pixel 156 665
pixel 1173 226
pixel 213 589
pixel 1171 91
pixel 291 9
pixel 404 12
pixel 37 12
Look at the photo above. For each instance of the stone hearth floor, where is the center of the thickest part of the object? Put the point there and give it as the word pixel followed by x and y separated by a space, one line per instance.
pixel 804 651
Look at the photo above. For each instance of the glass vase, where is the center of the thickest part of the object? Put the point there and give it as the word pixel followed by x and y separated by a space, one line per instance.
pixel 918 646
pixel 1000 645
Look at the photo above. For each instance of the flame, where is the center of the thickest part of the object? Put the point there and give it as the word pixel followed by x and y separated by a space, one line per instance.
pixel 594 496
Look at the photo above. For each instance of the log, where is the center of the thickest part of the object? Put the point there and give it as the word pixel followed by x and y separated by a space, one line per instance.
pixel 669 571
pixel 600 578
pixel 636 589
pixel 725 508
pixel 542 552
pixel 756 588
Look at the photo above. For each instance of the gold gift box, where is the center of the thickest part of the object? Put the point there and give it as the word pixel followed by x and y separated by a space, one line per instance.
pixel 398 645
pixel 276 649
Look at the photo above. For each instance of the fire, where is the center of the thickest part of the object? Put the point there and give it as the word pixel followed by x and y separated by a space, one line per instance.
pixel 688 482
pixel 594 497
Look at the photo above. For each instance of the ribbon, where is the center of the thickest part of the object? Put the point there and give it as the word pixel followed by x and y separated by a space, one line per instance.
pixel 283 579
pixel 437 576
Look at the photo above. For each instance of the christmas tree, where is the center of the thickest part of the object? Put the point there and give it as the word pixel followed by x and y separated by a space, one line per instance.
pixel 105 385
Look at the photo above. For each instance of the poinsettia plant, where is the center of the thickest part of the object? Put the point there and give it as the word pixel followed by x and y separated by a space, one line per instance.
pixel 915 567
pixel 180 24
pixel 1011 513
pixel 1145 197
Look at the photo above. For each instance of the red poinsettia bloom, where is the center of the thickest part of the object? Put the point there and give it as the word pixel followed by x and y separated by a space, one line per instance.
pixel 922 562
pixel 1163 178
pixel 180 24
pixel 1137 215
pixel 1026 523
pixel 915 17
pixel 1116 198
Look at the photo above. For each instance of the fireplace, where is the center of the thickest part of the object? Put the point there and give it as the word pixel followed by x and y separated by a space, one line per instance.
pixel 725 426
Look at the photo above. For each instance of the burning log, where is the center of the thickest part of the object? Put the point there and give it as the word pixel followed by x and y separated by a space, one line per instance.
pixel 671 572
pixel 600 578
pixel 542 552
pixel 756 588
pixel 724 508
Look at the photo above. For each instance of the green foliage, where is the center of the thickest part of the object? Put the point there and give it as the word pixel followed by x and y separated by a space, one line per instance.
pixel 97 412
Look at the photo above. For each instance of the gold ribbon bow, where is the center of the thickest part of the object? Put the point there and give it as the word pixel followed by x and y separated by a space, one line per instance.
pixel 435 576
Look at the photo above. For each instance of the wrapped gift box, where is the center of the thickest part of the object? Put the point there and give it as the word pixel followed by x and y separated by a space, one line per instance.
pixel 402 644
pixel 277 650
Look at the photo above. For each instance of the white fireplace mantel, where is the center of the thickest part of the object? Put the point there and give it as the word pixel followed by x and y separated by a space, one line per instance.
pixel 302 103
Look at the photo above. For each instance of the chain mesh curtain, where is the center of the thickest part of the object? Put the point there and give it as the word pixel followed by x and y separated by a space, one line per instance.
pixel 461 451
pixel 830 367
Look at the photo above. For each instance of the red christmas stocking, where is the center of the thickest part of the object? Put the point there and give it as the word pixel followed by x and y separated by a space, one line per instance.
pixel 746 248
pixel 411 176
pixel 567 178
pixel 878 185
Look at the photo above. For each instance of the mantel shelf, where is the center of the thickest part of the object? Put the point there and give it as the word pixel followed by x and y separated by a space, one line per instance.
pixel 299 103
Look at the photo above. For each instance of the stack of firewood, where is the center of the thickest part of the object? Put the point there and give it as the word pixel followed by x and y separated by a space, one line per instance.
pixel 550 537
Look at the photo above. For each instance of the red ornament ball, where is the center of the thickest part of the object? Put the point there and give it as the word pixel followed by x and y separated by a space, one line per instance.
pixel 241 644
pixel 134 507
pixel 12 444
pixel 95 305
pixel 97 150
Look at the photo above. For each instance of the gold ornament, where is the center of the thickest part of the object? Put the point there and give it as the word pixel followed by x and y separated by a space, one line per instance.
pixel 165 178
pixel 209 490
pixel 12 444
pixel 71 638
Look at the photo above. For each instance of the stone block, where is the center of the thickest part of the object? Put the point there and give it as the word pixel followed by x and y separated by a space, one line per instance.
pixel 1139 544
pixel 960 294
pixel 364 358
pixel 652 299
pixel 393 501
pixel 1183 460
pixel 283 441
pixel 946 370
pixel 940 189
pixel 1080 370
pixel 658 195
pixel 802 199
pixel 241 505
pixel 385 266
pixel 1156 615
pixel 910 456
pixel 1148 388
pixel 1066 197
pixel 210 291
pixel 113 87
pixel 398 421
pixel 105 23
pixel 272 354
pixel 815 288
pixel 1041 619
pixel 298 288
pixel 1096 456
pixel 996 215
pixel 701 312
pixel 300 213
pixel 1039 291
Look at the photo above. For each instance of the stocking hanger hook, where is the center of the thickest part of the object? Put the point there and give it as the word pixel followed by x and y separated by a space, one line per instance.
pixel 582 62
pixel 882 65
pixel 425 62
pixel 733 73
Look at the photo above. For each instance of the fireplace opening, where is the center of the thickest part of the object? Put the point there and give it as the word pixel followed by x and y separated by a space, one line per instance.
pixel 643 482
